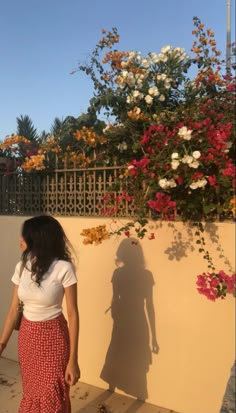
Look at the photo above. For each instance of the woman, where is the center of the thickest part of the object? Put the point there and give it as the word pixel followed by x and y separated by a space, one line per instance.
pixel 47 347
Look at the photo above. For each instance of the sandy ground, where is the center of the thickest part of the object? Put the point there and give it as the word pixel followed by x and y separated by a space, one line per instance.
pixel 84 398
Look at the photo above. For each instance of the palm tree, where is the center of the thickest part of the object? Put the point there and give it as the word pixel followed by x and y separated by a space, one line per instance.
pixel 57 127
pixel 25 127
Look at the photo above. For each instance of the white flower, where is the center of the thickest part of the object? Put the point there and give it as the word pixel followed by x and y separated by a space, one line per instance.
pixel 167 85
pixel 153 55
pixel 137 110
pixel 124 73
pixel 163 76
pixel 148 99
pixel 155 59
pixel 146 63
pixel 185 133
pixel 132 54
pixel 163 183
pixel 139 82
pixel 174 164
pixel 136 93
pixel 130 79
pixel 196 154
pixel 187 159
pixel 123 63
pixel 165 49
pixel 194 185
pixel 172 183
pixel 128 99
pixel 153 91
pixel 162 57
pixel 162 98
pixel 201 183
pixel 194 164
pixel 130 167
pixel 174 155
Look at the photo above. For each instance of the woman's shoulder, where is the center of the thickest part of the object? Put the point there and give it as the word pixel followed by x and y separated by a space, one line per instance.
pixel 64 262
pixel 62 265
pixel 17 272
pixel 65 272
pixel 18 265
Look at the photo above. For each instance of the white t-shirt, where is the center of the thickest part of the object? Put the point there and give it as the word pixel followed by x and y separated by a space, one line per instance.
pixel 44 302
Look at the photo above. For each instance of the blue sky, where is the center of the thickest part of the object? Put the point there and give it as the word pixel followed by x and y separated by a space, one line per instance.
pixel 41 42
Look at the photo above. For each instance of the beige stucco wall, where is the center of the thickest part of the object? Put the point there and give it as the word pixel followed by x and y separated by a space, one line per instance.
pixel 195 336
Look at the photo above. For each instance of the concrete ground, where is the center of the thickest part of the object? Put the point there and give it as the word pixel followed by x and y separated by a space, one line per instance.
pixel 84 398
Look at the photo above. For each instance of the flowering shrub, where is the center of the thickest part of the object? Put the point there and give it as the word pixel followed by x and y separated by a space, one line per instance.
pixel 81 152
pixel 173 136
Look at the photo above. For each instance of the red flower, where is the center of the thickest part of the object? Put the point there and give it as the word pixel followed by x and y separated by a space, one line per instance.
pixel 212 180
pixel 230 170
pixel 151 236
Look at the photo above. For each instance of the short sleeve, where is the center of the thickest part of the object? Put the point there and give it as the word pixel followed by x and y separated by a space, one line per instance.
pixel 69 278
pixel 16 276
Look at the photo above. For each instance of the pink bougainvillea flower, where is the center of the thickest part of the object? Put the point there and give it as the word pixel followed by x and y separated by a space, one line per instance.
pixel 216 285
pixel 212 180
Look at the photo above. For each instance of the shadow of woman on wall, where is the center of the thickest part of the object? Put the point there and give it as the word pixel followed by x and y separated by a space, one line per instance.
pixel 129 354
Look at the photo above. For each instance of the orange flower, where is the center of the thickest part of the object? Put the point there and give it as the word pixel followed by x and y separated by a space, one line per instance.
pixel 14 140
pixel 203 40
pixel 232 206
pixel 136 114
pixel 89 136
pixel 210 33
pixel 35 162
pixel 212 42
pixel 196 50
pixel 95 235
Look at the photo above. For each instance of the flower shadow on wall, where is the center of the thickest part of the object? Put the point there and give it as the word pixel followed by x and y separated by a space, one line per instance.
pixel 133 339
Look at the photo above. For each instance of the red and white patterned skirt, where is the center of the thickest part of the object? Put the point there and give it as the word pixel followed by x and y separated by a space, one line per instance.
pixel 43 348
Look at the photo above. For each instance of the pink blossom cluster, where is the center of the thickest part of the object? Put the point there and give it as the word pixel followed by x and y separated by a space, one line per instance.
pixel 215 286
pixel 112 202
pixel 163 205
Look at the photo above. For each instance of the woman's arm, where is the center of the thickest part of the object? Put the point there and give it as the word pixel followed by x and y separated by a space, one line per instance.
pixel 10 320
pixel 151 317
pixel 72 370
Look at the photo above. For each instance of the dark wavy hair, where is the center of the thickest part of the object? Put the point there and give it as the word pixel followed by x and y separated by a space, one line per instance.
pixel 46 241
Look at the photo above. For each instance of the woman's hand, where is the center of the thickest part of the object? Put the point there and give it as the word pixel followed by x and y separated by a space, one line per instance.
pixel 155 347
pixel 72 373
